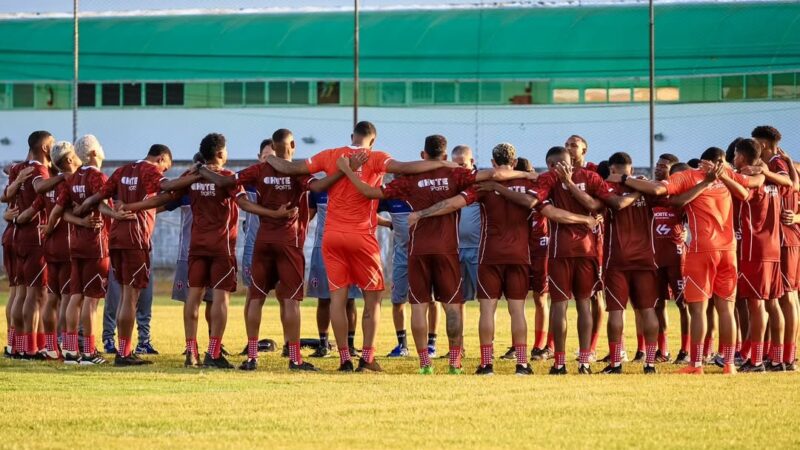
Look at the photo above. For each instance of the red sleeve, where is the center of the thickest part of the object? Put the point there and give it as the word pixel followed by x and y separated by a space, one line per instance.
pixel 680 182
pixel 39 171
pixel 470 195
pixel 597 187
pixel 399 188
pixel 151 179
pixel 739 178
pixel 462 178
pixel 62 194
pixel 110 186
pixel 248 176
pixel 378 161
pixel 543 185
pixel 320 162
pixel 305 182
pixel 96 181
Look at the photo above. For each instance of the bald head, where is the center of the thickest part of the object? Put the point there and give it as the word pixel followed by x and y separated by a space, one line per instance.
pixel 462 155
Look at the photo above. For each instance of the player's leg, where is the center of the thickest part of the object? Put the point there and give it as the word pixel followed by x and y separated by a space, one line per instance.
pixel 560 280
pixel 18 319
pixel 541 314
pixel 644 294
pixel 742 327
pixel 662 315
pixel 598 308
pixel 711 331
pixel 617 293
pixel 222 276
pixel 488 308
pixel 447 286
pixel 11 330
pixel 50 322
pixel 637 318
pixel 433 325
pixel 399 300
pixel 132 271
pixel 419 329
pixel 290 267
pixel 71 351
pixel 727 330
pixel 370 318
pixel 352 322
pixel 339 323
pixel 516 281
pixel 789 308
pixel 198 277
pixel 757 326
pixel 88 309
pixel 454 319
pixel 33 303
pixel 776 332
pixel 585 279
pixel 144 315
pixel 111 311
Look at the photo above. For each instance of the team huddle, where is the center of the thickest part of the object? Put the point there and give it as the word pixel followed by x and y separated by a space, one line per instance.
pixel 720 235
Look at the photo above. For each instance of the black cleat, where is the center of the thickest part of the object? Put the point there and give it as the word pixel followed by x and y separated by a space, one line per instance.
pixel 191 360
pixel 524 370
pixel 128 361
pixel 7 353
pixel 612 370
pixel 639 357
pixel 34 357
pixel 364 366
pixel 649 370
pixel 662 358
pixel 285 351
pixel 302 367
pixel 790 367
pixel 346 366
pixel 511 354
pixel 485 370
pixel 216 363
pixel 537 354
pixel 354 352
pixel 558 370
pixel 775 367
pixel 584 369
pixel 606 359
pixel 321 352
pixel 748 367
pixel 249 364
pixel 682 358
pixel 223 351
pixel 72 358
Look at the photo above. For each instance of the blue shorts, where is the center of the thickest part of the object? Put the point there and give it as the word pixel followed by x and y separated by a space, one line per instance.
pixel 468 257
pixel 247 259
pixel 399 284
pixel 317 285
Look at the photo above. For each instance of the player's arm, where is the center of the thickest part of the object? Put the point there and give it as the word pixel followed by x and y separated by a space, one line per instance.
pixel 737 190
pixel 648 187
pixel 519 198
pixel 116 214
pixel 562 216
pixel 43 185
pixel 366 190
pixel 11 190
pixel 617 202
pixel 223 181
pixel 564 172
pixel 788 217
pixel 26 215
pixel 288 167
pixel 90 221
pixel 284 212
pixel 501 174
pixel 415 167
pixel 683 199
pixel 153 202
pixel 763 169
pixel 322 185
pixel 384 222
pixel 10 214
pixel 439 209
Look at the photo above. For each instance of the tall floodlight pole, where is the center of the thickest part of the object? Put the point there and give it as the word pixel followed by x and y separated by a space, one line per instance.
pixel 652 90
pixel 74 70
pixel 355 63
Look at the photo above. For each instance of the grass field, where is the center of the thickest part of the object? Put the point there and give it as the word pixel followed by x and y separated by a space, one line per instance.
pixel 47 405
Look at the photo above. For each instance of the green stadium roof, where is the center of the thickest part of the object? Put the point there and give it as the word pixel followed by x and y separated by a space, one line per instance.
pixel 488 43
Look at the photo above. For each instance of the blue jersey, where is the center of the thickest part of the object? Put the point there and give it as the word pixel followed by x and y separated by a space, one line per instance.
pixel 399 211
pixel 469 226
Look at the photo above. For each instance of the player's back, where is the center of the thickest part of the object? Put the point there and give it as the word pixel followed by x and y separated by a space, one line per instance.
pixel 28 233
pixel 629 238
pixel 215 218
pixel 758 226
pixel 505 227
pixel 133 183
pixel 85 242
pixel 710 216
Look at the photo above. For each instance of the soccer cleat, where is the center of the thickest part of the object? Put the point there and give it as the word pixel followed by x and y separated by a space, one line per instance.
pixel 592 357
pixel 92 359
pixel 249 364
pixel 321 352
pixel 108 346
pixel 738 360
pixel 606 359
pixel 285 351
pixel 191 360
pixel 790 367
pixel 682 358
pixel 541 354
pixel 427 370
pixel 485 370
pixel 775 367
pixel 691 370
pixel 302 367
pixel 558 370
pixel 145 348
pixel 584 369
pixel 51 355
pixel 34 357
pixel 729 369
pixel 639 357
pixel 71 358
pixel 511 354
pixel 364 366
pixel 662 358
pixel 719 360
pixel 216 363
pixel 346 366
pixel 399 352
pixel 452 370
pixel 624 355
pixel 709 359
pixel 523 370
pixel 354 352
pixel 612 370
pixel 749 367
pixel 649 370
pixel 432 351
pixel 129 361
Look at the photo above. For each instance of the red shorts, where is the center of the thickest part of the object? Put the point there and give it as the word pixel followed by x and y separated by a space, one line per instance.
pixel 790 268
pixel 31 269
pixel 573 278
pixel 131 267
pixel 89 277
pixel 670 283
pixel 9 264
pixel 639 286
pixel 538 274
pixel 498 280
pixel 708 274
pixel 58 275
pixel 440 274
pixel 352 260
pixel 273 263
pixel 759 280
pixel 212 272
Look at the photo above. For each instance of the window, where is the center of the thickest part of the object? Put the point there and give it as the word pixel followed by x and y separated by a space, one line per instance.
pixel 444 92
pixel 491 92
pixel 757 86
pixel 298 92
pixel 393 93
pixel 174 93
pixel 421 93
pixel 232 94
pixel 733 88
pixel 619 95
pixel 110 94
pixel 328 92
pixel 23 96
pixel 668 94
pixel 783 86
pixel 254 93
pixel 595 95
pixel 154 94
pixel 86 94
pixel 566 96
pixel 278 92
pixel 131 94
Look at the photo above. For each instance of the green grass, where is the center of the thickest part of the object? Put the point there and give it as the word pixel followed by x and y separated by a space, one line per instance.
pixel 47 405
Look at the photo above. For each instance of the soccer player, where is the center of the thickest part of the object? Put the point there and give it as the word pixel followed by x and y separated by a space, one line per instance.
pixel 251 221
pixel 399 210
pixel 757 220
pixel 350 248
pixel 469 233
pixel 710 271
pixel 130 239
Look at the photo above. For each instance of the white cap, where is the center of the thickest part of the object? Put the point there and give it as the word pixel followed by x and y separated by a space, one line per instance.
pixel 60 150
pixel 87 146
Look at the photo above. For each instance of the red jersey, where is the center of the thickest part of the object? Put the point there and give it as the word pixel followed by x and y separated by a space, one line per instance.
pixel 215 217
pixel 433 235
pixel 667 233
pixel 28 234
pixel 539 235
pixel 8 234
pixel 56 246
pixel 84 242
pixel 790 234
pixel 348 210
pixel 569 241
pixel 710 215
pixel 133 183
pixel 504 225
pixel 629 234
pixel 274 189
pixel 758 225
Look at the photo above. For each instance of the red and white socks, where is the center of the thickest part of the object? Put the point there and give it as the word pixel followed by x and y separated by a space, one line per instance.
pixel 650 349
pixel 615 350
pixel 215 346
pixel 486 354
pixel 294 352
pixel 252 347
pixel 522 354
pixel 455 357
pixel 191 348
pixel 368 354
pixel 424 358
